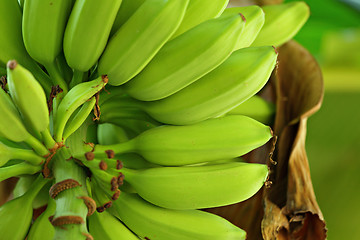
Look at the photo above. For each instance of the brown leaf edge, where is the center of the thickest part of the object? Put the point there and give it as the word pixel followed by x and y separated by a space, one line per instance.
pixel 288 209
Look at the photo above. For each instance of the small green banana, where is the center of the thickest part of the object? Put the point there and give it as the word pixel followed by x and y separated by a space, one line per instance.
pixel 42 228
pixel 127 9
pixel 76 120
pixel 152 222
pixel 18 169
pixel 140 38
pixel 255 19
pixel 198 186
pixel 77 96
pixel 256 108
pixel 11 41
pixel 199 11
pixel 28 96
pixel 8 153
pixel 43 27
pixel 186 59
pixel 18 212
pixel 282 22
pixel 242 75
pixel 88 18
pixel 213 139
pixel 107 227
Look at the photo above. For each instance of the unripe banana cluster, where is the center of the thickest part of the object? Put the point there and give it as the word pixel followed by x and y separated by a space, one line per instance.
pixel 127 117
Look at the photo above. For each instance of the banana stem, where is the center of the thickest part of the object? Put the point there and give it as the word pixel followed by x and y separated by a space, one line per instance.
pixel 56 77
pixel 69 206
pixel 38 147
pixel 64 68
pixel 18 169
pixel 48 139
pixel 77 78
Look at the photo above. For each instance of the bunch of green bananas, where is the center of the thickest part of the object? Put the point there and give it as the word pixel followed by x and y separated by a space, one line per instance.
pixel 164 140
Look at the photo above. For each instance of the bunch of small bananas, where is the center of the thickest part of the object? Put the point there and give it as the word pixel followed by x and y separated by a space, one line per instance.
pixel 139 158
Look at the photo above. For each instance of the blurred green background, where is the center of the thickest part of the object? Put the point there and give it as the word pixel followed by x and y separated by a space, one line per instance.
pixel 332 35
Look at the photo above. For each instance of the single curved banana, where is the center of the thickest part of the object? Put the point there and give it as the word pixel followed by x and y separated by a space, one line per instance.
pixel 255 19
pixel 17 214
pixel 242 75
pixel 42 228
pixel 199 11
pixel 28 96
pixel 7 153
pixel 198 186
pixel 76 120
pixel 152 222
pixel 77 96
pixel 43 27
pixel 140 38
pixel 18 169
pixel 11 41
pixel 187 58
pixel 127 9
pixel 282 22
pixel 256 108
pixel 105 226
pixel 213 139
pixel 88 18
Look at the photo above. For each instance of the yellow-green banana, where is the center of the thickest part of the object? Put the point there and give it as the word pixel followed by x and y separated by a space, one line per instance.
pixel 88 18
pixel 43 27
pixel 105 226
pixel 29 97
pixel 282 22
pixel 7 153
pixel 255 19
pixel 256 108
pixel 140 38
pixel 42 228
pixel 127 9
pixel 186 58
pixel 199 11
pixel 11 41
pixel 198 186
pixel 16 214
pixel 152 222
pixel 242 75
pixel 18 169
pixel 213 139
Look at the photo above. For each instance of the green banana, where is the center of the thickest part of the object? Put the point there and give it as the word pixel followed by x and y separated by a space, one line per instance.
pixel 127 9
pixel 198 186
pixel 18 212
pixel 187 60
pixel 28 96
pixel 18 169
pixel 256 108
pixel 42 228
pixel 242 75
pixel 135 161
pixel 110 134
pixel 107 227
pixel 255 19
pixel 8 153
pixel 282 22
pixel 88 18
pixel 11 44
pixel 209 140
pixel 199 11
pixel 79 118
pixel 152 222
pixel 140 38
pixel 77 96
pixel 43 27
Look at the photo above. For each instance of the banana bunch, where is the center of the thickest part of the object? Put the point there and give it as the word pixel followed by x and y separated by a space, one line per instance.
pixel 123 118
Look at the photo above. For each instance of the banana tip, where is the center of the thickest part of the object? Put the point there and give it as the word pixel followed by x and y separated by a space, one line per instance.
pixel 242 17
pixel 12 64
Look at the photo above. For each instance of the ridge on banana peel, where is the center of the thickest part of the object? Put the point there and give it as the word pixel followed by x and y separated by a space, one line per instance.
pixel 198 186
pixel 149 221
